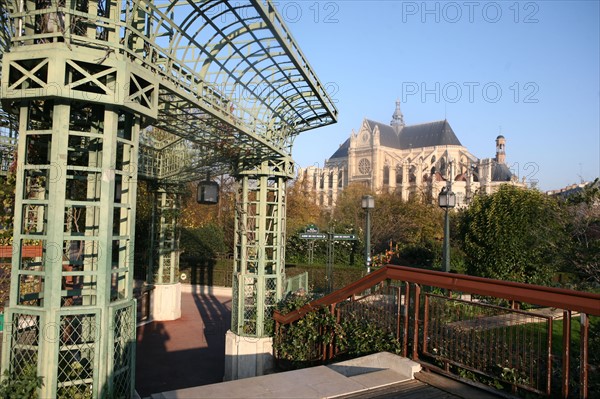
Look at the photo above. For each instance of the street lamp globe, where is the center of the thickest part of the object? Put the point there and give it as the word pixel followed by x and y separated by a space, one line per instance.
pixel 447 199
pixel 368 202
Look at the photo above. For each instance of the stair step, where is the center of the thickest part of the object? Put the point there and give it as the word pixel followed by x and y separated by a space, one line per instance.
pixel 380 378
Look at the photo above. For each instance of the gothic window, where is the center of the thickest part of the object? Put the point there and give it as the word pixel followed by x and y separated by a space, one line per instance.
pixel 341 179
pixel 364 166
pixel 443 167
pixel 330 179
pixel 386 175
pixel 433 159
pixel 412 177
pixel 322 182
pixel 399 174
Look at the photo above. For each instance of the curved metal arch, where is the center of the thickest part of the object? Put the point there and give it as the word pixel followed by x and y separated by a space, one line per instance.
pixel 199 54
pixel 228 73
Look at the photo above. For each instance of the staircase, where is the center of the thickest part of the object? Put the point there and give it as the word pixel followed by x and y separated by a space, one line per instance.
pixel 340 380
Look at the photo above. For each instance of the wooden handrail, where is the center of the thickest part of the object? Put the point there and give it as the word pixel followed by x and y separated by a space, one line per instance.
pixel 534 294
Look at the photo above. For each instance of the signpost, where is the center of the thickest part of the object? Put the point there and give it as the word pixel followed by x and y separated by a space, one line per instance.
pixel 312 233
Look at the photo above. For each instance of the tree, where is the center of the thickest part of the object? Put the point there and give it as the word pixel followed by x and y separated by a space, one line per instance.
pixel 514 234
pixel 583 210
pixel 301 207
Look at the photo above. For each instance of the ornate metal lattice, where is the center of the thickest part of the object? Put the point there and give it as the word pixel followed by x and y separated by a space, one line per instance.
pixel 84 80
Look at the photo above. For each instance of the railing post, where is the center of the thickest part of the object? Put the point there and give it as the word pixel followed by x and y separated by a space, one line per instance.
pixel 332 333
pixel 416 325
pixel 566 352
pixel 584 335
pixel 406 319
pixel 549 349
pixel 425 323
pixel 275 338
pixel 398 311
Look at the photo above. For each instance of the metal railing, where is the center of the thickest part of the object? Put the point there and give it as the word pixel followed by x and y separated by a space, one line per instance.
pixel 472 328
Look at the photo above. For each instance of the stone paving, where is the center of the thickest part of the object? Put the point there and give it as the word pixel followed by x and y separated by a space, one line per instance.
pixel 187 352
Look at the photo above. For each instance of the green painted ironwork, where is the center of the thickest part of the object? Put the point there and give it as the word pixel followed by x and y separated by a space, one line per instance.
pixel 101 92
pixel 167 270
pixel 259 274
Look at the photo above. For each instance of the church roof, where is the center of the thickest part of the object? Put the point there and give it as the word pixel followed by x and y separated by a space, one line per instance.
pixel 500 172
pixel 430 134
pixel 342 151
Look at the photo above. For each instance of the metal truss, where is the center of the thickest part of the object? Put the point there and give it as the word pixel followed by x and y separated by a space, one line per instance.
pixel 102 92
pixel 229 76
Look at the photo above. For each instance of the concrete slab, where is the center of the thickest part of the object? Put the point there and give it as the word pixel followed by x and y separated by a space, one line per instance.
pixel 379 379
pixel 310 383
pixel 375 362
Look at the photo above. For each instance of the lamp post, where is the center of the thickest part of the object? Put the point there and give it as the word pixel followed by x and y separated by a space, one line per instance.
pixel 446 201
pixel 368 203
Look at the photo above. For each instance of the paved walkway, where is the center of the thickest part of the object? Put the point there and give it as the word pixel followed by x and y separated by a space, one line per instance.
pixel 187 352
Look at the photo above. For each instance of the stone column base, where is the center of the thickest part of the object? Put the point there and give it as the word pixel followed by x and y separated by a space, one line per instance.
pixel 166 302
pixel 247 356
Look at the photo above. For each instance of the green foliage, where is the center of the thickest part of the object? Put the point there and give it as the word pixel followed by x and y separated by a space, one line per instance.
pixel 424 254
pixel 346 252
pixel 359 333
pixel 203 242
pixel 25 385
pixel 298 343
pixel 514 234
pixel 361 336
pixel 583 213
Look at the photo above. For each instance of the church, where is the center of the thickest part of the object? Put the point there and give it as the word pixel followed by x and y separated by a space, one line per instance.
pixel 409 160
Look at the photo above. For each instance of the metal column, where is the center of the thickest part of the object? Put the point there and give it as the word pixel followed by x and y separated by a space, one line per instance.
pixel 259 267
pixel 71 314
pixel 167 267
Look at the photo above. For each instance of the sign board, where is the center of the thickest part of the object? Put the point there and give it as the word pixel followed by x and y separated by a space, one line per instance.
pixel 341 237
pixel 313 236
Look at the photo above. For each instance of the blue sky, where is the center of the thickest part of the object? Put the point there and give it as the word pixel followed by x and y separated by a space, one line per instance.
pixel 527 70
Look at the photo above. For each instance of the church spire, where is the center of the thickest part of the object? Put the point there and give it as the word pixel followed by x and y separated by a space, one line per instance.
pixel 397 118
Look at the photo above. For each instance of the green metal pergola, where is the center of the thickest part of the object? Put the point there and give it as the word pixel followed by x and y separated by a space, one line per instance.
pixel 101 93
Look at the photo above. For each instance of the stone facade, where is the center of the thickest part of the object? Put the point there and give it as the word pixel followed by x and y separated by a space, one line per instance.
pixel 414 160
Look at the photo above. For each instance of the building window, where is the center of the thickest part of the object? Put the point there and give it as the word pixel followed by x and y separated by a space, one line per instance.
pixel 330 179
pixel 412 176
pixel 386 175
pixel 341 179
pixel 399 175
pixel 364 166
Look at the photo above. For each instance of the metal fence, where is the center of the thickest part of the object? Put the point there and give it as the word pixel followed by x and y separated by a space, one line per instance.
pixel 468 327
